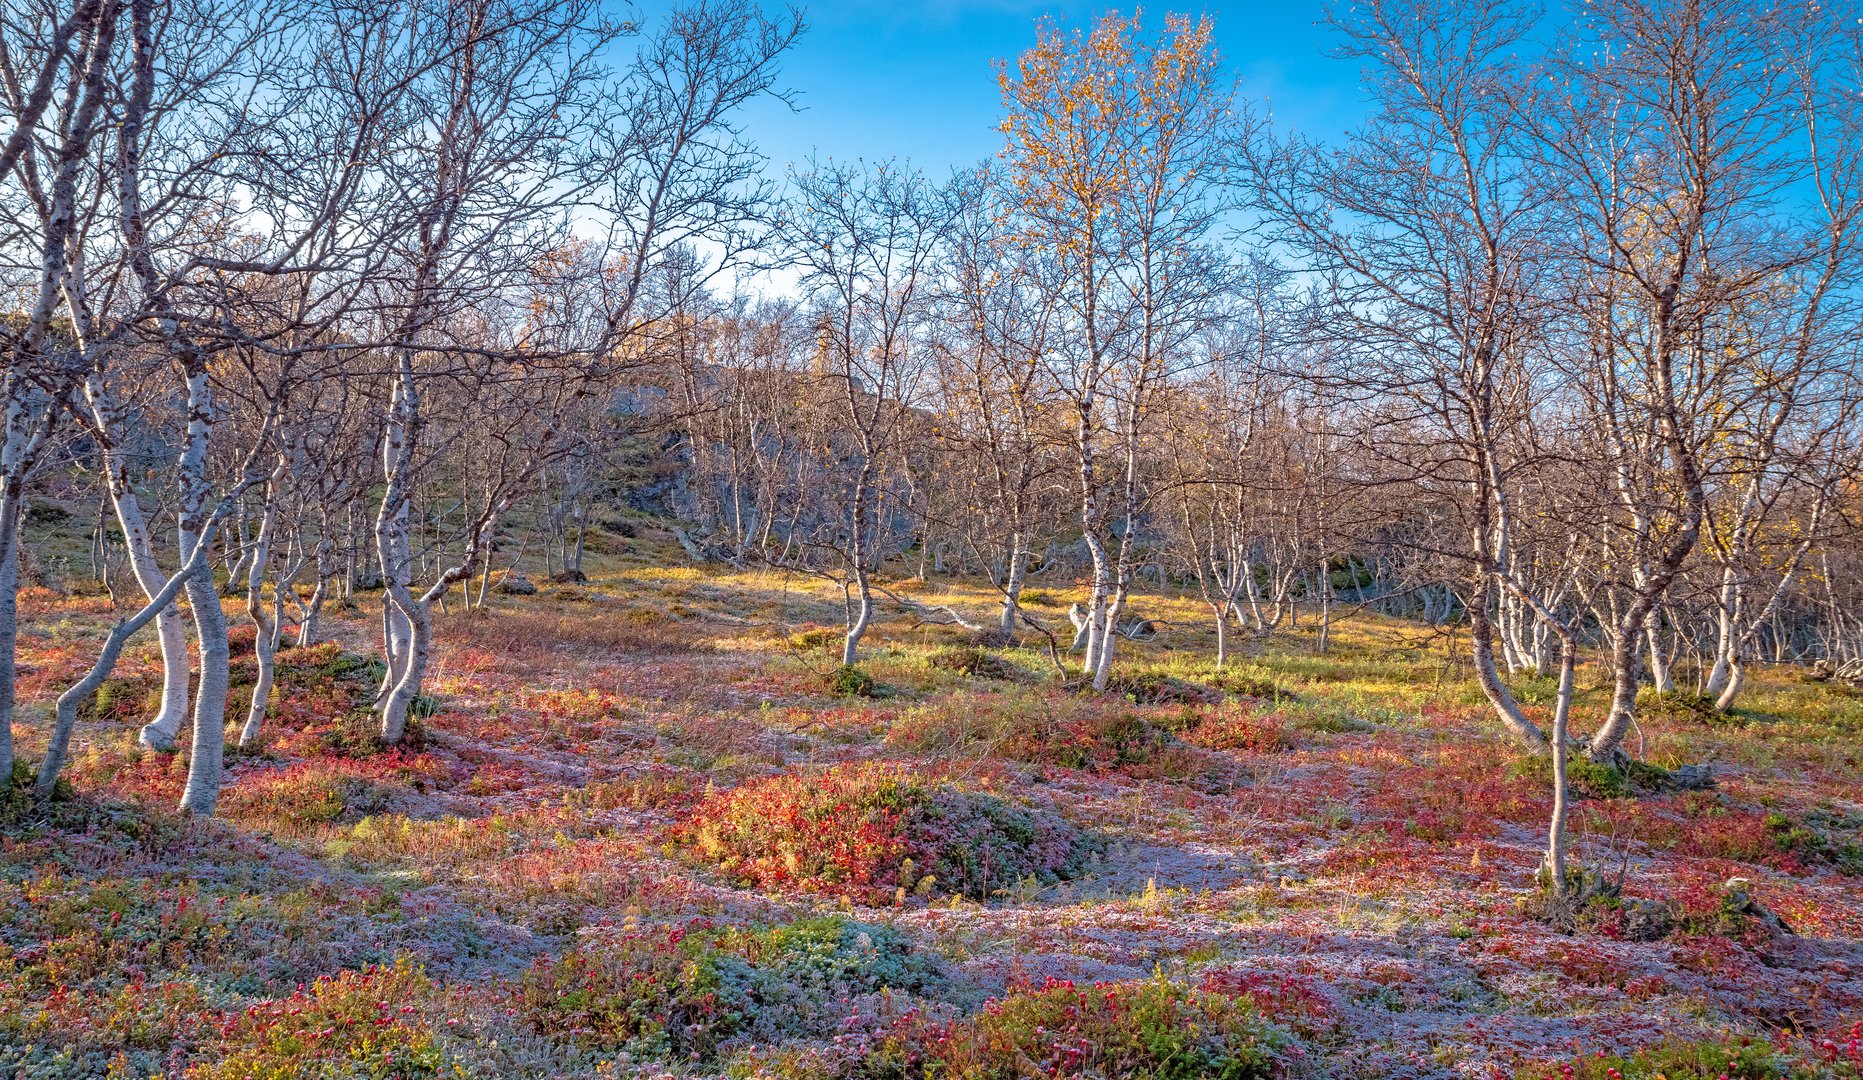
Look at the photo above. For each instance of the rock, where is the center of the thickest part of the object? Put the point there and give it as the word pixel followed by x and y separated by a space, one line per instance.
pixel 1739 901
pixel 512 583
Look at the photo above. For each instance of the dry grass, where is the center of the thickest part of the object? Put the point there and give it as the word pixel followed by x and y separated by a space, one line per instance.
pixel 508 631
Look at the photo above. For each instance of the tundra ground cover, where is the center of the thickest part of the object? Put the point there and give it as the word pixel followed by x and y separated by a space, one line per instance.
pixel 627 842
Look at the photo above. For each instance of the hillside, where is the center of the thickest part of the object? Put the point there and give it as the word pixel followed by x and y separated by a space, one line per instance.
pixel 639 832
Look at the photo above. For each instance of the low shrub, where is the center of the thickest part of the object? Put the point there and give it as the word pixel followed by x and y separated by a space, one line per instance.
pixel 123 699
pixel 18 804
pixel 683 991
pixel 976 662
pixel 1592 903
pixel 1730 1059
pixel 1153 688
pixel 849 681
pixel 359 1024
pixel 878 833
pixel 1680 706
pixel 1154 1029
pixel 1097 735
pixel 1293 1001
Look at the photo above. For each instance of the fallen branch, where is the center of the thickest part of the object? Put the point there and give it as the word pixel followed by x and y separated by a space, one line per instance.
pixel 1134 629
pixel 925 611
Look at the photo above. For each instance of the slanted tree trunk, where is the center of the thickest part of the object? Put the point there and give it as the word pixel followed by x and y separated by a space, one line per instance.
pixel 264 641
pixel 65 712
pixel 1481 651
pixel 161 731
pixel 320 595
pixel 860 603
pixel 1626 675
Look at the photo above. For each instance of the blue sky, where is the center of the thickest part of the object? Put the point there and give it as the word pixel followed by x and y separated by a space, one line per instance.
pixel 914 79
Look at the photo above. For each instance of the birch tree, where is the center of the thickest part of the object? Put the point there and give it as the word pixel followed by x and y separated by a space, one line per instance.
pixel 864 243
pixel 1427 227
pixel 1114 142
pixel 1667 127
pixel 41 58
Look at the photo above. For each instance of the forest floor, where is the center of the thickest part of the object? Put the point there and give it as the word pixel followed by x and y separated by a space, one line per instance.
pixel 648 829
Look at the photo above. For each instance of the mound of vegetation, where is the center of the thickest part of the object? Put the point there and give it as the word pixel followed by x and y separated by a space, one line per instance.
pixel 1154 1028
pixel 1824 835
pixel 1681 707
pixel 1250 684
pixel 531 634
pixel 681 992
pixel 849 681
pixel 299 798
pixel 367 1023
pixel 1739 1058
pixel 1239 727
pixel 1628 778
pixel 977 662
pixel 878 834
pixel 1153 688
pixel 815 636
pixel 1592 903
pixel 1093 735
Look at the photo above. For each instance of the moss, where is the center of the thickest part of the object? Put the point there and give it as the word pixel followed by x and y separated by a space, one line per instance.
pixel 849 681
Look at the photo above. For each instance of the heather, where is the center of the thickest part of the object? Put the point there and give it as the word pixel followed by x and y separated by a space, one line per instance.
pixel 881 834
pixel 691 857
